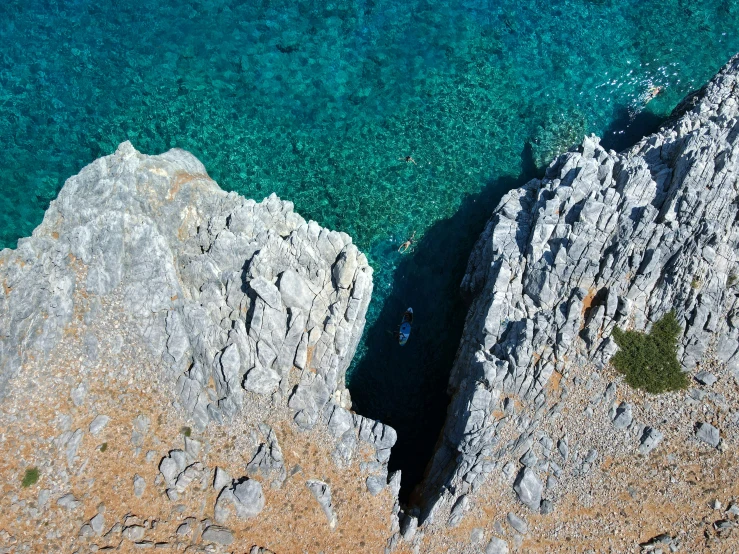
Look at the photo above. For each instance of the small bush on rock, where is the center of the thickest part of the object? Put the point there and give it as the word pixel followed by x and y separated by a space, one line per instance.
pixel 649 360
pixel 31 477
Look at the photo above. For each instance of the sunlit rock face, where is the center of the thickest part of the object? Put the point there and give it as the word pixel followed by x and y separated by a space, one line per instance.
pixel 203 338
pixel 605 239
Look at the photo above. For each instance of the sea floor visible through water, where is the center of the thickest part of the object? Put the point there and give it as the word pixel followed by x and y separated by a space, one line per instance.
pixel 321 102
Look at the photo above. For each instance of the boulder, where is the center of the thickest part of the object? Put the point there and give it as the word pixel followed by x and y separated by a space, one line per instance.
pixel 529 488
pixel 623 417
pixel 244 497
pixel 345 267
pixel 295 291
pixel 650 438
pixel 262 380
pixel 708 434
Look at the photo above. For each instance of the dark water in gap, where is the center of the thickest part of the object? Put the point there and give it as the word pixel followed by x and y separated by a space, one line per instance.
pixel 317 100
pixel 405 387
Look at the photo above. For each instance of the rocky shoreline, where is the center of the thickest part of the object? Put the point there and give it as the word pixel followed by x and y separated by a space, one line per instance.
pixel 172 364
pixel 247 313
pixel 605 239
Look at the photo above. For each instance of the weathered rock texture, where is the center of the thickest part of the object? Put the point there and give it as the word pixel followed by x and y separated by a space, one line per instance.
pixel 237 318
pixel 604 240
pixel 224 289
pixel 149 301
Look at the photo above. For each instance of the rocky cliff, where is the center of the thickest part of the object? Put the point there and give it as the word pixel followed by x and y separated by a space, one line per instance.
pixel 172 363
pixel 228 315
pixel 605 239
pixel 222 288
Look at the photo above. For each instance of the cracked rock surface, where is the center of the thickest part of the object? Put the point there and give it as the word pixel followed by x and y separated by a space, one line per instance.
pixel 174 355
pixel 603 240
pixel 172 362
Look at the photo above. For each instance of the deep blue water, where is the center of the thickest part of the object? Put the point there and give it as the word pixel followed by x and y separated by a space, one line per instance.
pixel 317 100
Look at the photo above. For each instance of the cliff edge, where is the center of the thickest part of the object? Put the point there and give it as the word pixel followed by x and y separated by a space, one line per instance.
pixel 605 239
pixel 172 362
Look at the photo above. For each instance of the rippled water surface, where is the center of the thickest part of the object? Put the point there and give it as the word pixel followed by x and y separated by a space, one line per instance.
pixel 317 101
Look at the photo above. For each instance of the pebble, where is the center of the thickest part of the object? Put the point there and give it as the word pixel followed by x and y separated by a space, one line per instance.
pixel 69 502
pixel 517 523
pixel 496 546
pixel 98 424
pixel 139 485
pixel 98 523
pixel 78 394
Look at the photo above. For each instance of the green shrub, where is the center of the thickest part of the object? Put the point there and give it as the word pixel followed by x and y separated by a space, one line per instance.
pixel 103 447
pixel 186 431
pixel 31 477
pixel 649 360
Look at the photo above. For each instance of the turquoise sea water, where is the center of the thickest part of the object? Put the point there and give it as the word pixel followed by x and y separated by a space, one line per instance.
pixel 317 100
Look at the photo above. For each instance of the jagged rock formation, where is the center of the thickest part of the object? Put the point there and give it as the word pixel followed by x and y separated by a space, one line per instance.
pixel 222 287
pixel 249 315
pixel 149 301
pixel 604 240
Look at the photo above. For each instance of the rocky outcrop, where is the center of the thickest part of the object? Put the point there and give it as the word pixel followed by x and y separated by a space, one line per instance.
pixel 155 301
pixel 603 240
pixel 225 290
pixel 248 317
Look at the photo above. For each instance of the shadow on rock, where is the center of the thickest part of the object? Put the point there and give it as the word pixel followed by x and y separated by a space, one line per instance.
pixel 405 387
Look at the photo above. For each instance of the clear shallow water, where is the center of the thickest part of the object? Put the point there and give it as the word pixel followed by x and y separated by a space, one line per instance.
pixel 317 101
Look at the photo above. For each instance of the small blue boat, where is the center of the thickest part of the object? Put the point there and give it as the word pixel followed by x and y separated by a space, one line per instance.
pixel 405 327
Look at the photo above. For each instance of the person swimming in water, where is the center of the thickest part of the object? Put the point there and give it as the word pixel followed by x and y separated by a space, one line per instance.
pixel 652 93
pixel 403 248
pixel 408 160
